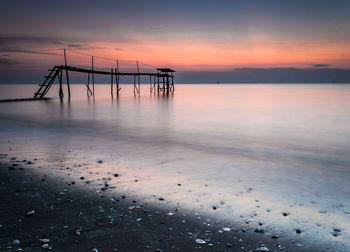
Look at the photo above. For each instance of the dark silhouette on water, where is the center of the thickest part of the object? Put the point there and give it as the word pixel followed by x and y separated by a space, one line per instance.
pixel 163 78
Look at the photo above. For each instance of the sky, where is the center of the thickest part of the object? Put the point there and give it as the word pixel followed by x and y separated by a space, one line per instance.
pixel 229 41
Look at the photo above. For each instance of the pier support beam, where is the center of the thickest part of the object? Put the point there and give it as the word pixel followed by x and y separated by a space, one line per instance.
pixel 60 80
pixel 65 64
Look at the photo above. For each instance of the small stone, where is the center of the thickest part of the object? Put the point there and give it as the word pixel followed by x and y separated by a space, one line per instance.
pixel 336 230
pixel 259 230
pixel 226 229
pixel 274 237
pixel 285 214
pixel 178 184
pixel 298 231
pixel 139 219
pixel 214 207
pixel 45 245
pixel 44 240
pixel 30 213
pixel 210 245
pixel 94 250
pixel 100 161
pixel 15 242
pixel 161 199
pixel 159 250
pixel 82 178
pixel 200 241
pixel 116 175
pixel 263 249
pixel 228 245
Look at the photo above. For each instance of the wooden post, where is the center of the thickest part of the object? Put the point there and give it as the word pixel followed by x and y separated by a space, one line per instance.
pixel 88 85
pixel 93 76
pixel 138 77
pixel 158 81
pixel 65 65
pixel 172 82
pixel 117 77
pixel 167 83
pixel 60 79
pixel 135 84
pixel 150 83
pixel 111 81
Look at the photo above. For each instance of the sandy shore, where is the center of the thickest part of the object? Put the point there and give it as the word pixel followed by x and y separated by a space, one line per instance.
pixel 40 212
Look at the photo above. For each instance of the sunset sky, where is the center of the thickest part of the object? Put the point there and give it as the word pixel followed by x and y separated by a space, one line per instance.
pixel 189 36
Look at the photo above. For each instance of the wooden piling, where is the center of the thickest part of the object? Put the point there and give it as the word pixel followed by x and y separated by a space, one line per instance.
pixel 138 76
pixel 65 64
pixel 93 75
pixel 60 80
pixel 111 81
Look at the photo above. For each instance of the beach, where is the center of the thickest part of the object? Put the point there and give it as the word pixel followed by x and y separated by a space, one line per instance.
pixel 154 172
pixel 44 212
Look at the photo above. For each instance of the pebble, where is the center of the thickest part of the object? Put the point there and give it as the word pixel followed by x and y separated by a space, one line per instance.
pixel 30 213
pixel 116 175
pixel 229 245
pixel 259 230
pixel 285 214
pixel 226 229
pixel 200 241
pixel 45 245
pixel 263 249
pixel 100 161
pixel 94 250
pixel 15 242
pixel 44 240
pixel 298 231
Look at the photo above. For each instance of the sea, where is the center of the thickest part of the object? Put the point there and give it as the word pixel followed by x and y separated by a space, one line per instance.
pixel 277 154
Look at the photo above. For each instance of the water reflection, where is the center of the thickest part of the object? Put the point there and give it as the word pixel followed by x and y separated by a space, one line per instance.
pixel 235 144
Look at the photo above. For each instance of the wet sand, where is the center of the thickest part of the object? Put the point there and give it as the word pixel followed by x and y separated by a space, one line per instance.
pixel 72 218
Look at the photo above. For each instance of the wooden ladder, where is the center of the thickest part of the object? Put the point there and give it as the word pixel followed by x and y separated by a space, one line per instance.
pixel 46 85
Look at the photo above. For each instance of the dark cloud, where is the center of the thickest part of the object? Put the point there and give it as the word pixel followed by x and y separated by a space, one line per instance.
pixel 74 45
pixel 266 75
pixel 19 50
pixel 10 40
pixel 6 62
pixel 321 65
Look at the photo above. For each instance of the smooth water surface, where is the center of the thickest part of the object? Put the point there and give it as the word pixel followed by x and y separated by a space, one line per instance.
pixel 252 151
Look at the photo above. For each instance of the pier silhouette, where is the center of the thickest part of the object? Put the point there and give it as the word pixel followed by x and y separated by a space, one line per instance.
pixel 160 79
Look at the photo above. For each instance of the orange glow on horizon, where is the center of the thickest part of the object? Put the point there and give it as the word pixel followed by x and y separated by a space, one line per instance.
pixel 193 53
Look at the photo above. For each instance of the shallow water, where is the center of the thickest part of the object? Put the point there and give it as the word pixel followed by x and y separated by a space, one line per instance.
pixel 252 151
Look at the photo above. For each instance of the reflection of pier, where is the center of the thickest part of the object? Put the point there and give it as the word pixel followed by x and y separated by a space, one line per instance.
pixel 161 80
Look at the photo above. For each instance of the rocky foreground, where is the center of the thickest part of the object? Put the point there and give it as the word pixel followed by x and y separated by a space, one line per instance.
pixel 44 212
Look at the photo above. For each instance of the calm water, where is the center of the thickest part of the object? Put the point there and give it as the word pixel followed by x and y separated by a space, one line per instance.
pixel 253 151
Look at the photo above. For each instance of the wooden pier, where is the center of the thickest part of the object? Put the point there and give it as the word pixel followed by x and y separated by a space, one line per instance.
pixel 161 80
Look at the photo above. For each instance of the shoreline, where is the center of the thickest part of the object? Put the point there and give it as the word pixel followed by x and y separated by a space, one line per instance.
pixel 75 219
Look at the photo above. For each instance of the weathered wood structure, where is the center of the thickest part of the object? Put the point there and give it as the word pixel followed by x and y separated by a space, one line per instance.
pixel 161 80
